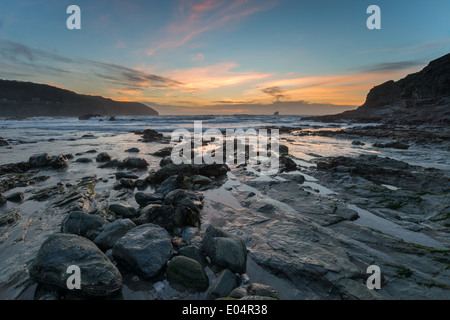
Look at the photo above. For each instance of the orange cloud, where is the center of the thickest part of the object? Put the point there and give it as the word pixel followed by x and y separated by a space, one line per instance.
pixel 350 89
pixel 213 77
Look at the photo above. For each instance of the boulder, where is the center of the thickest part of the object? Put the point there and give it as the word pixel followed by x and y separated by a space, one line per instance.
pixel 287 164
pixel 113 232
pixel 187 204
pixel 224 284
pixel 393 145
pixel 84 160
pixel 59 162
pixel 172 169
pixel 144 199
pixel 202 180
pixel 141 184
pixel 122 209
pixel 213 170
pixel 166 216
pixel 40 160
pixel 125 175
pixel 144 250
pixel 187 272
pixel 225 250
pixel 89 116
pixel 133 150
pixel 170 184
pixel 103 157
pixel 3 142
pixel 128 183
pixel 164 152
pixel 83 224
pixel 111 164
pixel 15 197
pixel 99 277
pixel 150 135
pixel 194 253
pixel 138 163
pixel 283 149
pixel 165 161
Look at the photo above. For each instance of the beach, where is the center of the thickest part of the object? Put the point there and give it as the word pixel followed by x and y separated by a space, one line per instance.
pixel 345 197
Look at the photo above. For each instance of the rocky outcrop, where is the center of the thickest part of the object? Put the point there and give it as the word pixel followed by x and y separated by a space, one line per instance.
pixel 422 97
pixel 56 102
pixel 389 171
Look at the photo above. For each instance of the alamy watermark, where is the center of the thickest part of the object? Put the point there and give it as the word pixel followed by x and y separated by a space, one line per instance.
pixel 74 20
pixel 74 281
pixel 374 280
pixel 236 147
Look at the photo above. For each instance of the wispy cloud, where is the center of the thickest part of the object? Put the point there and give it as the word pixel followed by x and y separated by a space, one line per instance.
pixel 193 18
pixel 13 51
pixel 36 62
pixel 439 43
pixel 130 77
pixel 392 66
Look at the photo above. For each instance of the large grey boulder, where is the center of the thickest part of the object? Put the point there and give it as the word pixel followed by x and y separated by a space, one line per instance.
pixel 225 249
pixel 99 277
pixel 144 249
pixel 188 272
pixel 83 224
pixel 113 232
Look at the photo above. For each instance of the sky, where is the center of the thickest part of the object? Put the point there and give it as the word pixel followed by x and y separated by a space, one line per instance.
pixel 222 56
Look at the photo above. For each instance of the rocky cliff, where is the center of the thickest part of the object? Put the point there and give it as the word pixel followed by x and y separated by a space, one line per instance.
pixel 422 97
pixel 27 99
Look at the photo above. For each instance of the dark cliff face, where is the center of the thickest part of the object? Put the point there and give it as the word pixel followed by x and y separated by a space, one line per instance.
pixel 422 97
pixel 26 99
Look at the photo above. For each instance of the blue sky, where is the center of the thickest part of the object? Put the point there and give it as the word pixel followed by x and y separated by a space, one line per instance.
pixel 222 56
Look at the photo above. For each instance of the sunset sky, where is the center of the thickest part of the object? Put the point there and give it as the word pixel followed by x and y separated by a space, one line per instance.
pixel 222 56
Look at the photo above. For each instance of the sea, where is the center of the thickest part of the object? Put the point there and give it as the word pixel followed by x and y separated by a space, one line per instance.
pixel 60 135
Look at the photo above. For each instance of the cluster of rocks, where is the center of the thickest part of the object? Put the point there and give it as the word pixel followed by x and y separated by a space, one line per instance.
pixel 150 135
pixel 161 238
pixel 103 251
